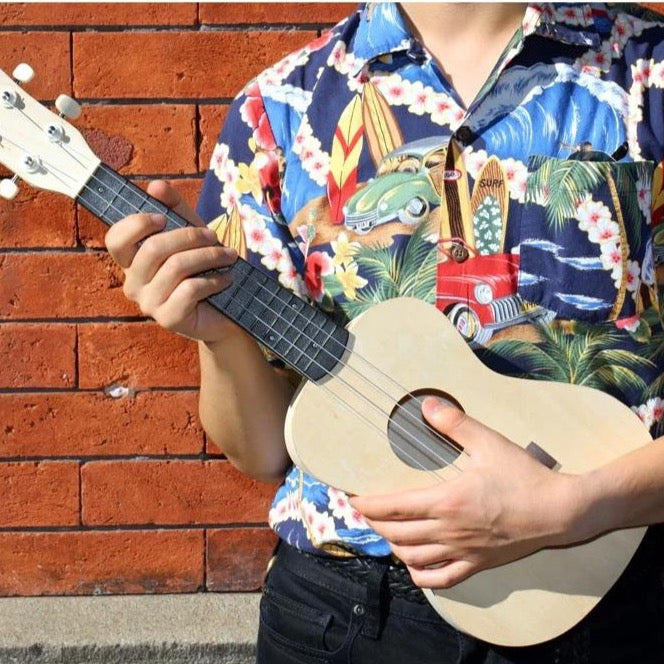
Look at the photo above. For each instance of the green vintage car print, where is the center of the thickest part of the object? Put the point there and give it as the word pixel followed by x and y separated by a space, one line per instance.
pixel 404 190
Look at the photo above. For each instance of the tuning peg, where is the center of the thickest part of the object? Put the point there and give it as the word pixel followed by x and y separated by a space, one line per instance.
pixel 9 188
pixel 23 73
pixel 68 107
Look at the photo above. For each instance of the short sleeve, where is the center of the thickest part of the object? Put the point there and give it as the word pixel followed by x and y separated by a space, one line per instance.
pixel 241 195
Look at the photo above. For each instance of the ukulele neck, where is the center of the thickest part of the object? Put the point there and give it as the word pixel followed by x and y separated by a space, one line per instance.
pixel 301 335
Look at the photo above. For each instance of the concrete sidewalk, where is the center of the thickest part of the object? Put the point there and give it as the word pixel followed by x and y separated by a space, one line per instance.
pixel 205 628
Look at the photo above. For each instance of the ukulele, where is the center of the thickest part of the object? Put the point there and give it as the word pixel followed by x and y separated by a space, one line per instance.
pixel 355 421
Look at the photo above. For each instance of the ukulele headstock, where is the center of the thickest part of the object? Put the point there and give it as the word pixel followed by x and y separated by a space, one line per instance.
pixel 39 146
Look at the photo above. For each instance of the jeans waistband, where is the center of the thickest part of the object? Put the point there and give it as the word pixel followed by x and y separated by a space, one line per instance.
pixel 360 569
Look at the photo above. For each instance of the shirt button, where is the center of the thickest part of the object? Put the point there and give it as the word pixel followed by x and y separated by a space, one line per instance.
pixel 458 252
pixel 464 134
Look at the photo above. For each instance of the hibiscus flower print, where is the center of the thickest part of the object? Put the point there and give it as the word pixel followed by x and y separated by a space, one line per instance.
pixel 253 113
pixel 319 264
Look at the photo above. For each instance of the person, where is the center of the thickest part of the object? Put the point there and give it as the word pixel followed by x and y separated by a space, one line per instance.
pixel 411 149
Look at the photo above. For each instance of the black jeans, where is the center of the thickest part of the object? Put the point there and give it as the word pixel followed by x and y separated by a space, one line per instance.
pixel 313 614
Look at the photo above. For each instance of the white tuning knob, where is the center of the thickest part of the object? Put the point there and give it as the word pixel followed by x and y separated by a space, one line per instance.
pixel 23 73
pixel 68 107
pixel 8 189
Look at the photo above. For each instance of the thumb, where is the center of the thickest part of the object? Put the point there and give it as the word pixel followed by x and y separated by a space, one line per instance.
pixel 453 422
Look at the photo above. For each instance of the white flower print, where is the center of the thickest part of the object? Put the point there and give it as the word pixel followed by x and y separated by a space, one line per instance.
pixel 474 160
pixel 611 258
pixel 418 98
pixel 284 509
pixel 290 278
pixel 257 235
pixel 656 78
pixel 571 15
pixel 394 88
pixel 650 412
pixel 641 71
pixel 320 525
pixel 605 230
pixel 517 177
pixel 589 213
pixel 632 278
pixel 276 257
pixel 643 192
pixel 342 509
pixel 441 107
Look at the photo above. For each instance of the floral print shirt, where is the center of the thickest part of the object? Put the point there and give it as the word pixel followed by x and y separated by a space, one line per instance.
pixel 352 172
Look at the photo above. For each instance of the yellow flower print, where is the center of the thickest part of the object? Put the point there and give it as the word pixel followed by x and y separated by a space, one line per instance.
pixel 349 280
pixel 344 250
pixel 249 182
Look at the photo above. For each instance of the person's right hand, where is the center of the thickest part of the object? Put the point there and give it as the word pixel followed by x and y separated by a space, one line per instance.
pixel 163 271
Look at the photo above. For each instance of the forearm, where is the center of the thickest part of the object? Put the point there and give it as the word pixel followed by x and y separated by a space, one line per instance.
pixel 624 493
pixel 243 404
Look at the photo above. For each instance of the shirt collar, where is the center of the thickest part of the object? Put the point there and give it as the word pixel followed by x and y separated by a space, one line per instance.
pixel 382 30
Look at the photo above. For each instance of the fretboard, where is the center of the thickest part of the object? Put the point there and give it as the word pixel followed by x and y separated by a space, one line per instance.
pixel 301 335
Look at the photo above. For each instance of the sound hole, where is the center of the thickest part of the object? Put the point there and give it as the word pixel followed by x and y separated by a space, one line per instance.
pixel 414 440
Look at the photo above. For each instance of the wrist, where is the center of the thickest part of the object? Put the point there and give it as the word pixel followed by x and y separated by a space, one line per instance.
pixel 230 334
pixel 586 511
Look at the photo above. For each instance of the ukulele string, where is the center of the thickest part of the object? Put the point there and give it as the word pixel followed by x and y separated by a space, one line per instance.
pixel 431 453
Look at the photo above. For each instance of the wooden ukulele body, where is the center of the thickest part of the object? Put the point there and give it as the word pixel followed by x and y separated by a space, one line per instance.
pixel 342 431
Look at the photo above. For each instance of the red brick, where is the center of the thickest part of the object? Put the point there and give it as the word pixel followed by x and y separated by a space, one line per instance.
pixel 49 54
pixel 135 355
pixel 91 231
pixel 97 13
pixel 211 119
pixel 310 13
pixel 61 285
pixel 211 447
pixel 147 139
pixel 39 494
pixel 93 424
pixel 170 492
pixel 37 219
pixel 237 558
pixel 94 563
pixel 190 65
pixel 37 355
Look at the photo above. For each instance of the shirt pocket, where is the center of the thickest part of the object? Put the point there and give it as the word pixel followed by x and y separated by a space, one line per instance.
pixel 584 238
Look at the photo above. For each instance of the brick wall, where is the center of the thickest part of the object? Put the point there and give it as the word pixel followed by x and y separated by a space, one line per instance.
pixel 107 481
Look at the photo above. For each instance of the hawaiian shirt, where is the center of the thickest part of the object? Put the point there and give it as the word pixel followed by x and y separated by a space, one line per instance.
pixel 352 172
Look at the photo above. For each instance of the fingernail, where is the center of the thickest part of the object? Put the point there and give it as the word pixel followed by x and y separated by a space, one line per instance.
pixel 432 403
pixel 158 220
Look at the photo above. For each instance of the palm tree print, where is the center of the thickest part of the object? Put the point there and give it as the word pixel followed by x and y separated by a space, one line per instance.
pixel 583 355
pixel 406 271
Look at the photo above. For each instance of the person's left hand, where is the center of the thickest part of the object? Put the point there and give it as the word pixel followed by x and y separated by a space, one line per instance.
pixel 503 505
